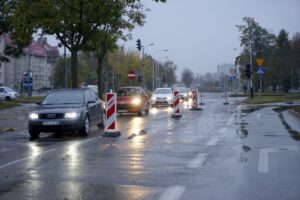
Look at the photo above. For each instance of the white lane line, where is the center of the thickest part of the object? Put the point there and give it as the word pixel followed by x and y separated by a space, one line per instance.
pixel 230 120
pixel 198 161
pixel 212 142
pixel 173 193
pixel 48 151
pixel 222 130
pixel 258 116
pixel 263 161
pixel 27 158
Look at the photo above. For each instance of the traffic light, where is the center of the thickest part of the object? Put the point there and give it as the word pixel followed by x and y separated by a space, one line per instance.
pixel 248 71
pixel 140 79
pixel 164 79
pixel 138 44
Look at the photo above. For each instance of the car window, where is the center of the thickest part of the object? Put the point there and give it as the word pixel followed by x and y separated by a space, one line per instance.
pixel 128 92
pixel 90 96
pixel 65 97
pixel 1 90
pixel 163 91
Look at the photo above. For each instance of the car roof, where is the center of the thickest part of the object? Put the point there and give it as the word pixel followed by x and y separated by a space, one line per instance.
pixel 71 90
pixel 131 87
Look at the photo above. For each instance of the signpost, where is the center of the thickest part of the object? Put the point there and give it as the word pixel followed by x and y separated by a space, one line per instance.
pixel 131 75
pixel 260 71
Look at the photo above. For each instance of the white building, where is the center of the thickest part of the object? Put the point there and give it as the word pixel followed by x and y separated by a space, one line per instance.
pixel 38 58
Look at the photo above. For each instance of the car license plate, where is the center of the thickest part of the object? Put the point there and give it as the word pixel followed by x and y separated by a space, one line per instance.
pixel 122 111
pixel 51 123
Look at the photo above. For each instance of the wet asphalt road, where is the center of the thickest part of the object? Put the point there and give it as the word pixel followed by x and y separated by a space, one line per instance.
pixel 223 152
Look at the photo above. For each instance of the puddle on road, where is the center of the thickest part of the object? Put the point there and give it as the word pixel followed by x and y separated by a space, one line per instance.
pixel 294 134
pixel 242 133
pixel 251 109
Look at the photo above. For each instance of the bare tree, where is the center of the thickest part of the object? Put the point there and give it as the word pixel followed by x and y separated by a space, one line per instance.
pixel 187 77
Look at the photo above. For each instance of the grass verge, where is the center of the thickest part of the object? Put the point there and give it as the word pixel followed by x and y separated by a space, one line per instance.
pixel 273 98
pixel 25 99
pixel 296 109
pixel 9 104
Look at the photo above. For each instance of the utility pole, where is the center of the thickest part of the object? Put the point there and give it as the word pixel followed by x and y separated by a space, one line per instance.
pixel 251 68
pixel 65 67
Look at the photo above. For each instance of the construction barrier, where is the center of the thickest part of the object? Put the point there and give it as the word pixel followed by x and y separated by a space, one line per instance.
pixel 195 102
pixel 176 100
pixel 111 116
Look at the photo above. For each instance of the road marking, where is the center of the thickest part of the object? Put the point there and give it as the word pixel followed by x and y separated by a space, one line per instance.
pixel 212 142
pixel 173 193
pixel 48 151
pixel 27 158
pixel 263 161
pixel 258 116
pixel 222 130
pixel 5 149
pixel 198 161
pixel 230 120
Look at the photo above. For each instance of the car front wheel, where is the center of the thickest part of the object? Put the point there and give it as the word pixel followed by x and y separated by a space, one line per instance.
pixel 34 134
pixel 86 127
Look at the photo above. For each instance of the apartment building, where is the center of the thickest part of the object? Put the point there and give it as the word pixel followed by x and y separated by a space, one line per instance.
pixel 39 58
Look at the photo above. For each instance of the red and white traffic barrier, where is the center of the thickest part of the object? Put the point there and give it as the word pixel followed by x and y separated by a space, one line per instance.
pixel 176 105
pixel 195 100
pixel 111 116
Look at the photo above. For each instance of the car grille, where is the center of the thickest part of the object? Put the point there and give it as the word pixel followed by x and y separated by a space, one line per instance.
pixel 52 116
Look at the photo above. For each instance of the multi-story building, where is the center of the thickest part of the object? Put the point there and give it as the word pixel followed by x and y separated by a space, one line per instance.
pixel 38 58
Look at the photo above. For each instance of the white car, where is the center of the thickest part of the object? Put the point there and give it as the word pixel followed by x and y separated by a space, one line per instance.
pixel 162 96
pixel 8 93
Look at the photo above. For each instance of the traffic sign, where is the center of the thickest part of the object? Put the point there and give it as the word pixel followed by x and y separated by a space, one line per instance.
pixel 131 75
pixel 260 70
pixel 260 61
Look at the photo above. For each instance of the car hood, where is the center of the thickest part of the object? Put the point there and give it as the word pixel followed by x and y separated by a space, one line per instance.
pixel 162 95
pixel 58 108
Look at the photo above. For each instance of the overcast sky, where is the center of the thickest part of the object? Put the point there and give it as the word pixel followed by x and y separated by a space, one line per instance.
pixel 200 34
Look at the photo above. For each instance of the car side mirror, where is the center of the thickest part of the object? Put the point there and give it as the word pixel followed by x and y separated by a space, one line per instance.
pixel 38 103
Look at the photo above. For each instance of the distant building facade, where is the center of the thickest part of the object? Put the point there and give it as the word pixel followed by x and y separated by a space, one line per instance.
pixel 39 58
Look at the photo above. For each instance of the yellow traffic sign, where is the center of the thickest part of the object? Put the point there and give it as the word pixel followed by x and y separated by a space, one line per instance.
pixel 260 61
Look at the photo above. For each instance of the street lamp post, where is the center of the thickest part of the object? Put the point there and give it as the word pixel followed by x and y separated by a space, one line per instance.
pixel 153 67
pixel 251 68
pixel 158 81
pixel 143 65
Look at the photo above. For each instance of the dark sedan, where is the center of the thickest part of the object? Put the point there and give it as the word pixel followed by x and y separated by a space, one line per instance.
pixel 66 110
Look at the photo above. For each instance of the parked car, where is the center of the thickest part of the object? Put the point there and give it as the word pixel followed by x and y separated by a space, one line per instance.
pixel 2 97
pixel 8 93
pixel 132 100
pixel 67 110
pixel 162 96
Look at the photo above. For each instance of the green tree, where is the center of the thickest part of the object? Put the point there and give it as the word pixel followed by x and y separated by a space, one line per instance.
pixel 187 77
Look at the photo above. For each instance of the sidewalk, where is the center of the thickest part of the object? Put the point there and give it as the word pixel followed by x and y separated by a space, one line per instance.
pixel 15 118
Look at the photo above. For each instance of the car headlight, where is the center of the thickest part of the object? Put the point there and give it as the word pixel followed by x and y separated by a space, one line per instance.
pixel 33 116
pixel 153 98
pixel 190 93
pixel 72 115
pixel 136 101
pixel 169 98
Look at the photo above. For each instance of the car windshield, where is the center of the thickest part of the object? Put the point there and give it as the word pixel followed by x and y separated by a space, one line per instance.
pixel 8 89
pixel 66 97
pixel 182 90
pixel 163 91
pixel 128 92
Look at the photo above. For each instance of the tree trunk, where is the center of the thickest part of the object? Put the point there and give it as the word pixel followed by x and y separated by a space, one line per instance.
pixel 74 67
